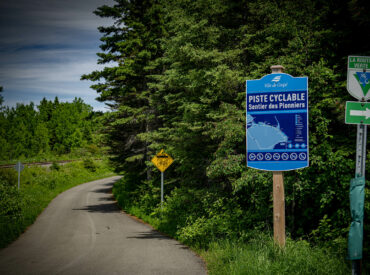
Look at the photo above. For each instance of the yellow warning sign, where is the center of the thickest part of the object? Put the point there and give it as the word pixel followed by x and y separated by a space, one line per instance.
pixel 162 161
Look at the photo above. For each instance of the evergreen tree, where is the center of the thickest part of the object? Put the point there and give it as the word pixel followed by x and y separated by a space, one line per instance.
pixel 3 128
pixel 130 43
pixel 45 110
pixel 202 74
pixel 1 98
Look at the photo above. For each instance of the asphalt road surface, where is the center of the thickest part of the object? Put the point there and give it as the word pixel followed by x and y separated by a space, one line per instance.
pixel 82 231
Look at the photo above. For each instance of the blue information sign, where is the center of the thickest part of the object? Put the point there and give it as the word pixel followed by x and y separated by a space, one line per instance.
pixel 277 122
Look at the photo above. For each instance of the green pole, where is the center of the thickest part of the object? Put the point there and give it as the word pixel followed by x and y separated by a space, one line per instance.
pixel 357 200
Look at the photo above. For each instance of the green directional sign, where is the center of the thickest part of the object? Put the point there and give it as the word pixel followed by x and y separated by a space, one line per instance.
pixel 357 112
pixel 358 77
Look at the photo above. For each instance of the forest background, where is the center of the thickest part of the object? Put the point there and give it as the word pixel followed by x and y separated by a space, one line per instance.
pixel 50 131
pixel 175 80
pixel 178 84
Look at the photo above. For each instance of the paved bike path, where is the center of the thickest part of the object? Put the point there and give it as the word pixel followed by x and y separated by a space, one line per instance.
pixel 82 231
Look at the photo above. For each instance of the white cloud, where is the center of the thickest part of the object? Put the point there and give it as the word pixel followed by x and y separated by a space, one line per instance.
pixel 45 47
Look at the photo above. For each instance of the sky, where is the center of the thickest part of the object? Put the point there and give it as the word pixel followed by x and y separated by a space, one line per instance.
pixel 45 47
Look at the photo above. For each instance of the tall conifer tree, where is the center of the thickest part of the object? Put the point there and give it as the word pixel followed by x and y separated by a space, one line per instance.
pixel 1 98
pixel 131 43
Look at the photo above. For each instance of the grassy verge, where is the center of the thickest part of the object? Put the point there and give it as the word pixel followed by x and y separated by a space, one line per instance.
pixel 261 256
pixel 76 154
pixel 212 237
pixel 39 185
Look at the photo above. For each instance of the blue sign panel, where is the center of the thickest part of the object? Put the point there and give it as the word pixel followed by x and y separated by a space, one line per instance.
pixel 277 122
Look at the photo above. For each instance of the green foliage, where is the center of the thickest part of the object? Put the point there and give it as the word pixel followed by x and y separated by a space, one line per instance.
pixel 8 176
pixel 215 227
pixel 131 43
pixel 89 165
pixel 10 212
pixel 10 199
pixel 55 128
pixel 1 98
pixel 55 166
pixel 178 84
pixel 261 256
pixel 39 185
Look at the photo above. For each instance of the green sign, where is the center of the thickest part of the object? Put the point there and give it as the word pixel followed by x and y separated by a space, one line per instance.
pixel 357 112
pixel 359 62
pixel 358 77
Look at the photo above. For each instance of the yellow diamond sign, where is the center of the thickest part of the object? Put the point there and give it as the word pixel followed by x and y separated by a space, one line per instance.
pixel 162 161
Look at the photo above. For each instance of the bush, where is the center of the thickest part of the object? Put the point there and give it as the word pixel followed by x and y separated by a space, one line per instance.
pixel 93 149
pixel 227 235
pixel 8 176
pixel 89 165
pixel 55 166
pixel 10 202
pixel 10 212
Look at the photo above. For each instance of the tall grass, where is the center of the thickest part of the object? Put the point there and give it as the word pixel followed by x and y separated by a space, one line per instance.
pixel 39 185
pixel 261 256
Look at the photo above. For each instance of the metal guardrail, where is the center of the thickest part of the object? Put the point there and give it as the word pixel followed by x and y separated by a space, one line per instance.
pixel 37 163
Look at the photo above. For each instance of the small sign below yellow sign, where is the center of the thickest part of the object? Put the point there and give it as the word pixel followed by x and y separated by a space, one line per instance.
pixel 162 161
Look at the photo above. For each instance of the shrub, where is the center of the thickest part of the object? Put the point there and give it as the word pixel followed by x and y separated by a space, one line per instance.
pixel 10 202
pixel 55 166
pixel 89 165
pixel 93 149
pixel 8 176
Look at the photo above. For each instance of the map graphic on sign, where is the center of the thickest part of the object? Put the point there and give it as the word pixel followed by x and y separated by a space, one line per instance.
pixel 277 122
pixel 263 136
pixel 162 161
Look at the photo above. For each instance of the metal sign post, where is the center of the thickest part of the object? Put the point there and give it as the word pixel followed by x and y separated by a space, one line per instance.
pixel 162 179
pixel 19 167
pixel 162 161
pixel 361 150
pixel 277 132
pixel 358 85
pixel 357 200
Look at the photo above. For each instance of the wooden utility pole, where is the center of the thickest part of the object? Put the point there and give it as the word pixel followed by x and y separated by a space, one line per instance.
pixel 278 193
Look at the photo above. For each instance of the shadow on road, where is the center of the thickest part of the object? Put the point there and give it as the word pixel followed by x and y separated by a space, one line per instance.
pixel 101 208
pixel 111 183
pixel 107 199
pixel 149 235
pixel 156 235
pixel 103 190
pixel 181 246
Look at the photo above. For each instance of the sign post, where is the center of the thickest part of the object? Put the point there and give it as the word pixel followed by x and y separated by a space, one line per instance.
pixel 279 207
pixel 358 85
pixel 162 161
pixel 277 132
pixel 19 167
